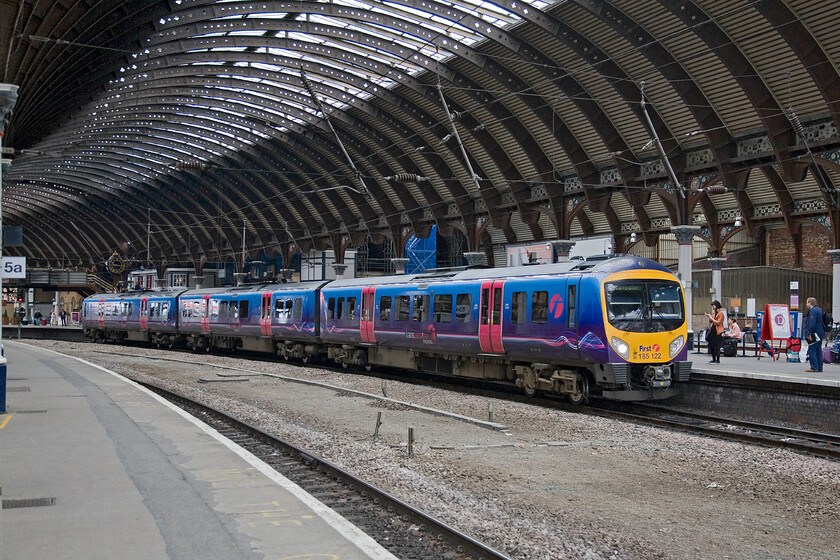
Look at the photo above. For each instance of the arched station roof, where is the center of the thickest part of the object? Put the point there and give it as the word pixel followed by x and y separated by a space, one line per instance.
pixel 163 129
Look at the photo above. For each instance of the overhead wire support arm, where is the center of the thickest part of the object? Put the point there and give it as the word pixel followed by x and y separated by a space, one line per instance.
pixel 673 176
pixel 818 170
pixel 473 175
pixel 358 174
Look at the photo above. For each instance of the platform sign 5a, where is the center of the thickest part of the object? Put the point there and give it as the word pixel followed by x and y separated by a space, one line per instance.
pixel 14 267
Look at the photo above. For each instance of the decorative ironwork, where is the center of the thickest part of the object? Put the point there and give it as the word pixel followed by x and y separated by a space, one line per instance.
pixel 822 220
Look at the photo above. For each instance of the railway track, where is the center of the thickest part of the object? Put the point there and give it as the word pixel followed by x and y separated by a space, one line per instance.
pixel 403 530
pixel 813 443
pixel 809 442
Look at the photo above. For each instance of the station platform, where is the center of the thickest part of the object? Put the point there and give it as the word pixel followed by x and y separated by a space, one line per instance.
pixel 94 466
pixel 766 369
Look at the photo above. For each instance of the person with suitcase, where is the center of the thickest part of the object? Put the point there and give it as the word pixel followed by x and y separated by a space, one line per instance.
pixel 732 338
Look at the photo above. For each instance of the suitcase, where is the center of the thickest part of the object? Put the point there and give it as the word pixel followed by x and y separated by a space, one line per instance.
pixel 828 355
pixel 730 347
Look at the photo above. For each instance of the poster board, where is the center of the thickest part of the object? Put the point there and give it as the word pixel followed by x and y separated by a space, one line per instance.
pixel 775 325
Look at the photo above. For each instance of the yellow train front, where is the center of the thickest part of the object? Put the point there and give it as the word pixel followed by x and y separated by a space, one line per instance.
pixel 646 329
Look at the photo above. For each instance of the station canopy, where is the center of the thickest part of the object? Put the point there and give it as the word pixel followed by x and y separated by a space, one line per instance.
pixel 174 131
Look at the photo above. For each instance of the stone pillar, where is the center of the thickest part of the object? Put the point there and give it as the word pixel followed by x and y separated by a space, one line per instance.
pixel 8 98
pixel 399 265
pixel 56 310
pixel 199 282
pixel 716 263
pixel 476 259
pixel 685 236
pixel 239 277
pixel 339 269
pixel 835 284
pixel 560 249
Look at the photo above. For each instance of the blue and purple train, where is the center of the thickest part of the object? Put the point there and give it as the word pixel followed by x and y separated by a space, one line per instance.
pixel 613 327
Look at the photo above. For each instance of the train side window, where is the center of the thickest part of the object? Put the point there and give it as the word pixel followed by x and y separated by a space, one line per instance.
pixel 164 309
pixel 298 308
pixel 223 309
pixel 279 309
pixel 463 308
pixel 443 308
pixel 518 306
pixel 485 304
pixel 243 309
pixel 403 308
pixel 539 307
pixel 421 309
pixel 331 308
pixel 289 308
pixel 129 309
pixel 339 309
pixel 571 304
pixel 214 309
pixel 351 308
pixel 385 308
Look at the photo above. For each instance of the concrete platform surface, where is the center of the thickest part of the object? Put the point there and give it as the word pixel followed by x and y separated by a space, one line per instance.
pixel 95 466
pixel 766 368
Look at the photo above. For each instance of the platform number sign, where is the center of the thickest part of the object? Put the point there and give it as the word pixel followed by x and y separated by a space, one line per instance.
pixel 14 267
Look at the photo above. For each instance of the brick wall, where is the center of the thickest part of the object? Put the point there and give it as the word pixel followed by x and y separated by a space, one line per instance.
pixel 815 243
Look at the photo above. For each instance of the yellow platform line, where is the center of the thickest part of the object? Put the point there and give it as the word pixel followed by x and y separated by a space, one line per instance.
pixel 5 421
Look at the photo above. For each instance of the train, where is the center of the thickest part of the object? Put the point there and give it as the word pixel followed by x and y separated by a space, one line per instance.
pixel 613 328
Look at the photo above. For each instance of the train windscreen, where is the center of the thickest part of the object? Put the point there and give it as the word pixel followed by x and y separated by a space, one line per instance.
pixel 644 305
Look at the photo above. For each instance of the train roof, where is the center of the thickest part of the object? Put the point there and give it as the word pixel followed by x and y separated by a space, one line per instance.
pixel 605 265
pixel 258 288
pixel 132 294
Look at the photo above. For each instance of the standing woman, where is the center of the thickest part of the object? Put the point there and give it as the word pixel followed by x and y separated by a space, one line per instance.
pixel 714 337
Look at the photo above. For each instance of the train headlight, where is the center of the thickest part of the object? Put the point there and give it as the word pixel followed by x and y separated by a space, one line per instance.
pixel 676 345
pixel 621 347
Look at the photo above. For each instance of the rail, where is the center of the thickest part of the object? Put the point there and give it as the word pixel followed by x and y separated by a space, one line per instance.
pixel 329 482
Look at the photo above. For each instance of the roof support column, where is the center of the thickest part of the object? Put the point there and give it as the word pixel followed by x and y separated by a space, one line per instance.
pixel 835 282
pixel 685 236
pixel 8 98
pixel 716 263
pixel 560 249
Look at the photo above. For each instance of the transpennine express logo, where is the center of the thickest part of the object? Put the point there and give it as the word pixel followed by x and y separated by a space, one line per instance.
pixel 556 305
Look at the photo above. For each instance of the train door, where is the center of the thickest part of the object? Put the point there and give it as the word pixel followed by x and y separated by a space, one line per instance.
pixel 572 317
pixel 368 300
pixel 265 314
pixel 205 314
pixel 144 314
pixel 490 320
pixel 101 312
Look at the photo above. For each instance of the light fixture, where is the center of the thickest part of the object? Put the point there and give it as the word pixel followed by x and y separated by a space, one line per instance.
pixel 738 222
pixel 633 237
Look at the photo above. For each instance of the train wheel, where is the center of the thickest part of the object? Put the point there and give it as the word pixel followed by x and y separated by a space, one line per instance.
pixel 583 396
pixel 530 391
